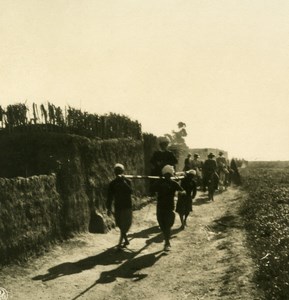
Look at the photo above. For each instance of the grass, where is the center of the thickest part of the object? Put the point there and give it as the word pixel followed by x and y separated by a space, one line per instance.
pixel 266 216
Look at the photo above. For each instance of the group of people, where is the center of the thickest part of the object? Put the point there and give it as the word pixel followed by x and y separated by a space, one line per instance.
pixel 215 169
pixel 120 192
pixel 165 187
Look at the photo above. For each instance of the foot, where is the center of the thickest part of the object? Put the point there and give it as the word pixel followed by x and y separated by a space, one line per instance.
pixel 125 243
pixel 119 247
pixel 167 247
pixel 182 226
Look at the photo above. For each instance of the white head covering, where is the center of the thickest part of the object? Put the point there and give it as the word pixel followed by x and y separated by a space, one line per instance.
pixel 168 169
pixel 120 166
pixel 193 172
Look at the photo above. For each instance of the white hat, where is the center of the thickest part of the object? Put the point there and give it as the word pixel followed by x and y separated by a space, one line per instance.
pixel 168 169
pixel 192 171
pixel 120 166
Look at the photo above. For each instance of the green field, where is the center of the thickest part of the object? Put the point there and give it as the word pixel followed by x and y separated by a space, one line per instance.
pixel 266 216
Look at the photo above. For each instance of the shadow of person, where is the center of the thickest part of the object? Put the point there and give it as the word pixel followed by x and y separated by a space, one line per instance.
pixel 144 233
pixel 128 270
pixel 131 268
pixel 159 238
pixel 174 231
pixel 108 257
pixel 201 200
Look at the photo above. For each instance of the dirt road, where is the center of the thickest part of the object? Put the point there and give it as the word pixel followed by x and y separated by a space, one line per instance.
pixel 208 260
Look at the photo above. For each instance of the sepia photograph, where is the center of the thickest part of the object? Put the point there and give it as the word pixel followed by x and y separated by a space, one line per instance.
pixel 144 150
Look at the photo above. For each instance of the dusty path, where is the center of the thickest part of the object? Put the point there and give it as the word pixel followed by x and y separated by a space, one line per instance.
pixel 208 260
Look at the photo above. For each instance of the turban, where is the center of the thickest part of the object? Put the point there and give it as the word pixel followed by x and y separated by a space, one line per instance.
pixel 168 169
pixel 119 166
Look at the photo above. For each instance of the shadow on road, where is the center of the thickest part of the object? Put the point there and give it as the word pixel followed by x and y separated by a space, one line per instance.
pixel 144 233
pixel 108 257
pixel 129 270
pixel 203 199
pixel 226 222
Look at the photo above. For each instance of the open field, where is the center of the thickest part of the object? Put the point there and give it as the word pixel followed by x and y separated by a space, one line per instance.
pixel 266 215
pixel 269 164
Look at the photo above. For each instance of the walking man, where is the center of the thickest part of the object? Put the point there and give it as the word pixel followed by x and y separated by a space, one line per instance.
pixel 162 157
pixel 166 188
pixel 119 192
pixel 210 176
pixel 188 163
pixel 197 165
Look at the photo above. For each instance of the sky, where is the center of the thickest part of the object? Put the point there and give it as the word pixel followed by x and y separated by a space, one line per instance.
pixel 220 66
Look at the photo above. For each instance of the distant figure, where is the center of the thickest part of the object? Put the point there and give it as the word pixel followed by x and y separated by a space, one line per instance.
pixel 162 157
pixel 221 162
pixel 165 188
pixel 222 171
pixel 210 176
pixel 188 163
pixel 119 192
pixel 235 175
pixel 185 201
pixel 197 165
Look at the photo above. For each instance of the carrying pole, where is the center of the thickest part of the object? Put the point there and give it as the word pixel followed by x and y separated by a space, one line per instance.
pixel 176 177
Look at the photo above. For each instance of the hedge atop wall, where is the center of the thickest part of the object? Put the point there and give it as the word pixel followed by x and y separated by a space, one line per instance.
pixel 50 118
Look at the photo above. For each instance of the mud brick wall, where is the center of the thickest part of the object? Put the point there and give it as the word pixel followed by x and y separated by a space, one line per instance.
pixel 73 173
pixel 30 210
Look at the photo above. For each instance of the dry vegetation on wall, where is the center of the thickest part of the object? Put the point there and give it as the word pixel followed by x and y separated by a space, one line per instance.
pixel 19 118
pixel 30 215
